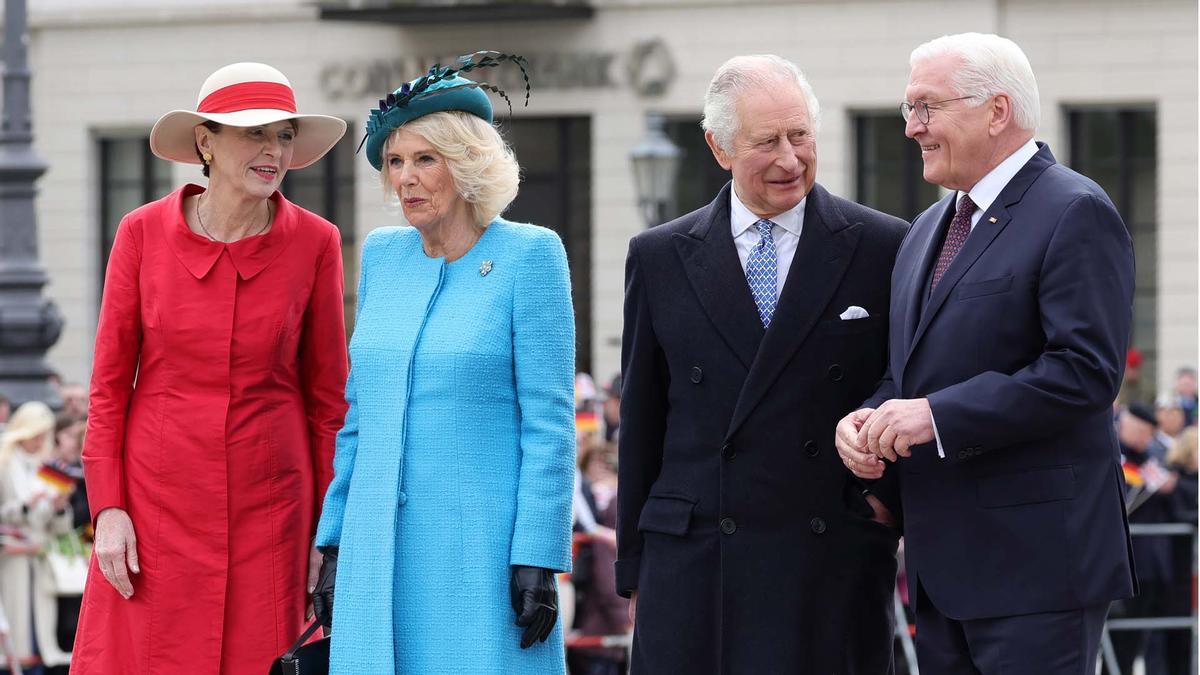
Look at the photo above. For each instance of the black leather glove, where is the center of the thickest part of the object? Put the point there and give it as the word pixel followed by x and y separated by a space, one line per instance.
pixel 322 597
pixel 535 601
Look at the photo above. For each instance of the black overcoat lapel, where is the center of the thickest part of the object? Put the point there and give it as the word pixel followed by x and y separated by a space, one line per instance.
pixel 711 263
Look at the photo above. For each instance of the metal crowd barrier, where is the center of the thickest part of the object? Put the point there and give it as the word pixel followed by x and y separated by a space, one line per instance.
pixel 1108 654
pixel 904 633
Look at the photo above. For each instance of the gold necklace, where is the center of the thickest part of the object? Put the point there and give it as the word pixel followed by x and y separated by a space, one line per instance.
pixel 209 234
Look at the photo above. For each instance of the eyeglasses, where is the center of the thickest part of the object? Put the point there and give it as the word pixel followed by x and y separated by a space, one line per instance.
pixel 922 108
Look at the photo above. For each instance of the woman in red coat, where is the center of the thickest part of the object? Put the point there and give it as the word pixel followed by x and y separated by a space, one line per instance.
pixel 217 389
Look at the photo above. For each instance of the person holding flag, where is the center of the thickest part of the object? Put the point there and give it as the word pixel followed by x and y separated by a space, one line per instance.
pixel 34 510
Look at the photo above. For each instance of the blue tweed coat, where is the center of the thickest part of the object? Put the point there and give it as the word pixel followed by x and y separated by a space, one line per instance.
pixel 457 456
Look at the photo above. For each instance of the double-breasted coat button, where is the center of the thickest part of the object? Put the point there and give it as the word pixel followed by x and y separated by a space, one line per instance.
pixel 728 451
pixel 728 526
pixel 835 373
pixel 697 374
pixel 963 454
pixel 811 448
pixel 817 525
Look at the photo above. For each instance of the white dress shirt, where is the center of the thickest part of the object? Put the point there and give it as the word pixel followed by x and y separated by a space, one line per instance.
pixel 785 232
pixel 983 194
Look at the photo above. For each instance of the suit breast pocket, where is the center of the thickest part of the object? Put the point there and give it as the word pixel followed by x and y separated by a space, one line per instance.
pixel 976 289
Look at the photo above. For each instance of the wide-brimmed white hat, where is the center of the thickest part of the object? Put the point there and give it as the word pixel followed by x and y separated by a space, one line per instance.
pixel 245 95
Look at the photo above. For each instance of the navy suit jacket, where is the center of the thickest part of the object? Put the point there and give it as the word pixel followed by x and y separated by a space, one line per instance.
pixel 1020 351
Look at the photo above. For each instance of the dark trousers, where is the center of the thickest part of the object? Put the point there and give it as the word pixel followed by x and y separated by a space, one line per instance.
pixel 1049 643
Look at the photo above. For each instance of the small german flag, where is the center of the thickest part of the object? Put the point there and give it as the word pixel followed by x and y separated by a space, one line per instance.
pixel 1133 475
pixel 585 421
pixel 56 478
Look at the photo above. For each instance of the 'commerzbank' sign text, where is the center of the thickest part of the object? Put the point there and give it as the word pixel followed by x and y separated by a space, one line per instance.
pixel 646 68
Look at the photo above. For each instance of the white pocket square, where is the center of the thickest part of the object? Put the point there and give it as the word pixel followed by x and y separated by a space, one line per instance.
pixel 853 312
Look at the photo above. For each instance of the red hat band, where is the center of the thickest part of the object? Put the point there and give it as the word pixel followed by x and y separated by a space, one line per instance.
pixel 249 96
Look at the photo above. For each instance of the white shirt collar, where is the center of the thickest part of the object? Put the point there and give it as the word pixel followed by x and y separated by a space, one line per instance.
pixel 742 218
pixel 990 186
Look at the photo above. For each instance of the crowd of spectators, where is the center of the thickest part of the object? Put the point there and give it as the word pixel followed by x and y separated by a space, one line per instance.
pixel 45 530
pixel 599 621
pixel 1157 436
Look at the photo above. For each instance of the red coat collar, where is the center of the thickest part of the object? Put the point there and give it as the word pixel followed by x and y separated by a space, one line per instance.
pixel 249 256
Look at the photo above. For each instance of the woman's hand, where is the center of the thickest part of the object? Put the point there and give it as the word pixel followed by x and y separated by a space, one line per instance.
pixel 535 601
pixel 322 595
pixel 59 501
pixel 116 549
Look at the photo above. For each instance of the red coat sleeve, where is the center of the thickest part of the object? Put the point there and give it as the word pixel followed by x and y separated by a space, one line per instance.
pixel 323 362
pixel 118 348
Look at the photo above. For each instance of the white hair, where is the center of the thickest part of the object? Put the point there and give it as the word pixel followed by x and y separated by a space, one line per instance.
pixel 990 65
pixel 744 73
pixel 484 170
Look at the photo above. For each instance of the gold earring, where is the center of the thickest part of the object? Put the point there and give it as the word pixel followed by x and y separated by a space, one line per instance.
pixel 207 158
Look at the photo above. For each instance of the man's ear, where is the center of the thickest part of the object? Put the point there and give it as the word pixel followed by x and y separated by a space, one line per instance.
pixel 718 152
pixel 1000 114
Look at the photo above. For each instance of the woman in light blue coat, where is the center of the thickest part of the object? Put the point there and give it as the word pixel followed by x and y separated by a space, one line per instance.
pixel 450 508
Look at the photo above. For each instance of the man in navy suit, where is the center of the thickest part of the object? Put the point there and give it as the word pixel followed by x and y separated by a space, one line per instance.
pixel 752 325
pixel 1010 317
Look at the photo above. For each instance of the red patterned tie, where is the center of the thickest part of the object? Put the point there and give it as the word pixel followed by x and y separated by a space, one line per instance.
pixel 960 229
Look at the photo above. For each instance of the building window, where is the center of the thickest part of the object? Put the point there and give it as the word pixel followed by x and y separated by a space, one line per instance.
pixel 130 175
pixel 556 178
pixel 888 166
pixel 700 178
pixel 327 189
pixel 1117 148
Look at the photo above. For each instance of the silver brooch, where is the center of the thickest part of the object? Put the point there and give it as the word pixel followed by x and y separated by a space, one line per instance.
pixel 485 267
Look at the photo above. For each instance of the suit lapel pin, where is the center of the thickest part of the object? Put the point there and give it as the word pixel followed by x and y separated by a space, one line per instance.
pixel 992 219
pixel 485 267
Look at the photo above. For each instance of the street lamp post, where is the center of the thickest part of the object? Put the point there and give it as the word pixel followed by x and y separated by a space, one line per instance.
pixel 655 164
pixel 29 324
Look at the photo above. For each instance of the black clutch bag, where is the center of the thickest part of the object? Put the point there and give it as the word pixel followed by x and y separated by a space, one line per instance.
pixel 304 659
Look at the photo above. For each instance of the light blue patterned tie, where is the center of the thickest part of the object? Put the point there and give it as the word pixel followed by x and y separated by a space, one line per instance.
pixel 761 272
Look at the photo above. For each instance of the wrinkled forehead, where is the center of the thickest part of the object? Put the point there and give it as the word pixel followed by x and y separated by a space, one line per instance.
pixel 773 109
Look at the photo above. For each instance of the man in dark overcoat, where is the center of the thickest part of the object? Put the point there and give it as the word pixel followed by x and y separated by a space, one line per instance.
pixel 752 326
